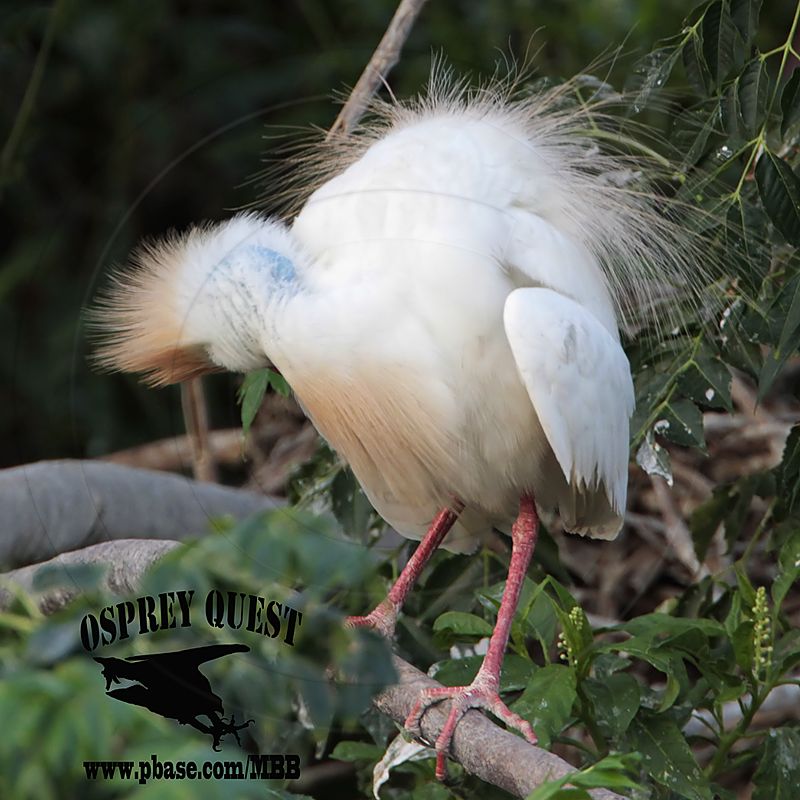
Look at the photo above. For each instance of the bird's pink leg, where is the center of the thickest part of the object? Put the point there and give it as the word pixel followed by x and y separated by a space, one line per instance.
pixel 383 617
pixel 483 692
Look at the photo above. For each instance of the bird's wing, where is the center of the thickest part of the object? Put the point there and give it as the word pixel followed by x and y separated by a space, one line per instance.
pixel 579 382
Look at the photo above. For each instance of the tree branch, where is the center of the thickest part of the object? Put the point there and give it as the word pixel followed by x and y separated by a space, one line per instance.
pixel 383 59
pixel 481 747
pixel 125 560
pixel 56 506
pixel 175 453
pixel 195 416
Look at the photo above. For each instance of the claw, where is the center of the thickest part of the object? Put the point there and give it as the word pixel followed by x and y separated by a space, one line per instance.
pixel 462 699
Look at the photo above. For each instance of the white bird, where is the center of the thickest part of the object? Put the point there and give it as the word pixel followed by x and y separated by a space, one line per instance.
pixel 445 307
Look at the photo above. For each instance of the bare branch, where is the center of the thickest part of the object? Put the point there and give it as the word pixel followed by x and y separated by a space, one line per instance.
pixel 195 415
pixel 383 59
pixel 56 506
pixel 481 747
pixel 675 529
pixel 125 560
pixel 175 453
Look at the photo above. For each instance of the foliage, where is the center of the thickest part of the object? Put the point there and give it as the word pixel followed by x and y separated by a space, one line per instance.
pixel 53 690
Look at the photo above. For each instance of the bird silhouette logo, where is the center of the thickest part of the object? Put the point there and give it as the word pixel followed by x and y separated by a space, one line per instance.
pixel 171 685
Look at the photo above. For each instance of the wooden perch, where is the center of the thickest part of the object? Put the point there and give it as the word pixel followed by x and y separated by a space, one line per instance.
pixel 52 507
pixel 125 560
pixel 484 749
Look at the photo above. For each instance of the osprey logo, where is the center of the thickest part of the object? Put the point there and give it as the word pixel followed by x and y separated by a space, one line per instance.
pixel 171 685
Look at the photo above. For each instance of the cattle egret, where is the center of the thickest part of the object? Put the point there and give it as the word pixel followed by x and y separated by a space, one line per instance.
pixel 445 307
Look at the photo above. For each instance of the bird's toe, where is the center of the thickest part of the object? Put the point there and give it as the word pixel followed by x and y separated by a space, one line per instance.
pixel 462 698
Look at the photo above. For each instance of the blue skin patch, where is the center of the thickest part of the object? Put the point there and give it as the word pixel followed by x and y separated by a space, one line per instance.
pixel 281 269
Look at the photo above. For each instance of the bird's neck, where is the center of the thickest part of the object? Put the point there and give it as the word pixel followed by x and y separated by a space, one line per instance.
pixel 230 309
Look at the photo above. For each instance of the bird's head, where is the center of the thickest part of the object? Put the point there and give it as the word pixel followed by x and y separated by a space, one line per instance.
pixel 196 302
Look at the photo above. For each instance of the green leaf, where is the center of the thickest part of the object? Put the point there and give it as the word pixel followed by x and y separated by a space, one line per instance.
pixel 666 756
pixel 682 423
pixel 789 338
pixel 535 614
pixel 351 506
pixel 462 624
pixel 656 624
pixel 708 382
pixel 746 233
pixel 252 391
pixel 615 701
pixel 433 791
pixel 746 588
pixel 788 568
pixel 788 474
pixel 790 103
pixel 720 39
pixel 647 649
pixel 547 701
pixel 730 112
pixel 514 676
pixel 357 751
pixel 745 16
pixel 691 131
pixel 742 641
pixel 778 773
pixel 779 188
pixel 786 655
pixel 694 63
pixel 753 92
pixel 650 73
pixel 84 577
pixel 612 772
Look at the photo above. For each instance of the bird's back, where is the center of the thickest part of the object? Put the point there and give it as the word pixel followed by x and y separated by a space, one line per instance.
pixel 415 249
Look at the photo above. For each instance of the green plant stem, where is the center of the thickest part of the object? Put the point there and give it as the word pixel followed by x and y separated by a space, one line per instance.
pixel 586 717
pixel 787 49
pixel 729 739
pixel 762 525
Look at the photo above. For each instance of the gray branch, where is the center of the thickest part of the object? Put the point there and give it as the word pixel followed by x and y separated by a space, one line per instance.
pixel 125 563
pixel 383 59
pixel 481 747
pixel 53 507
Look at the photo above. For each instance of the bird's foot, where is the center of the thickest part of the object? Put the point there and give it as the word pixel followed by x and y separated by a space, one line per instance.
pixel 479 694
pixel 383 619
